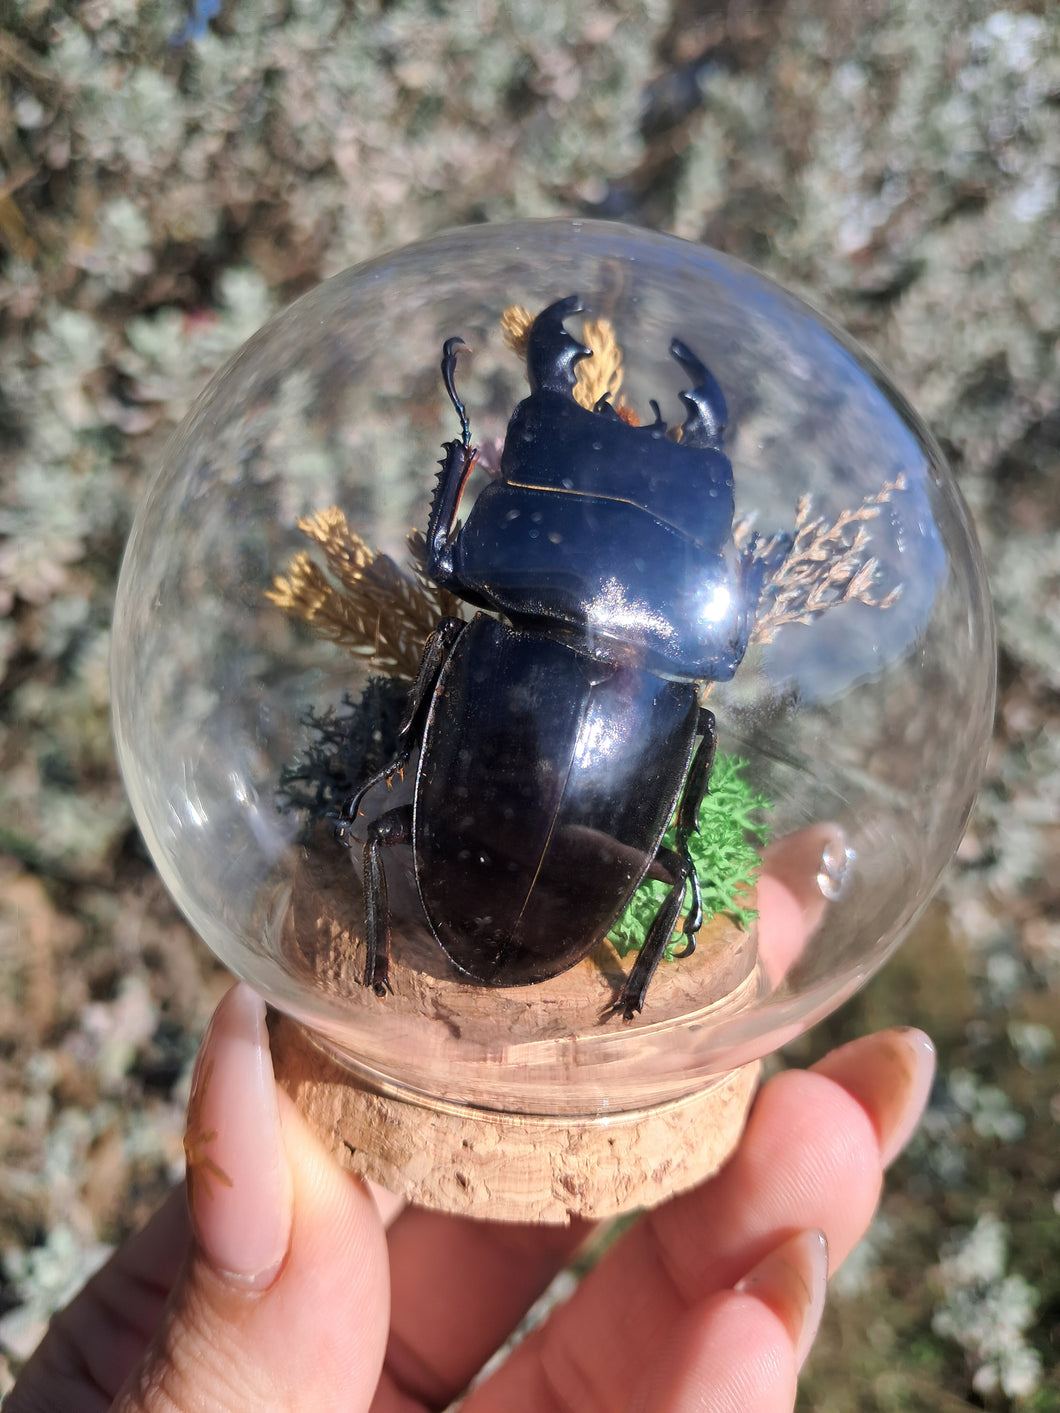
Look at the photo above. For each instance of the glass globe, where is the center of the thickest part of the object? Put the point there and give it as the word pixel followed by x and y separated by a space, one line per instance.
pixel 623 535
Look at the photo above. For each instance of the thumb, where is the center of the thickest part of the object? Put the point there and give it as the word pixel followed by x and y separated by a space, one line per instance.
pixel 284 1299
pixel 281 1300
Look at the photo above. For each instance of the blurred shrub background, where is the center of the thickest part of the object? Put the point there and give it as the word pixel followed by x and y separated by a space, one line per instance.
pixel 171 173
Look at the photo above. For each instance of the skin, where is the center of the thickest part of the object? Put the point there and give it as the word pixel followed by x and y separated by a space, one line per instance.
pixel 276 1280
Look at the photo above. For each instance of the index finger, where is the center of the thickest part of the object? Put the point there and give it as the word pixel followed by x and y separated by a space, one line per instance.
pixel 810 1160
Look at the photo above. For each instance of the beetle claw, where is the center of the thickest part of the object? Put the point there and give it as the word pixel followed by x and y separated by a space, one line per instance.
pixel 620 1006
pixel 551 352
pixel 688 948
pixel 707 410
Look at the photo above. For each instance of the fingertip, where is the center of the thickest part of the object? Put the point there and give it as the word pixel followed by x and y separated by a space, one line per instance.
pixel 801 874
pixel 890 1074
pixel 291 1315
pixel 730 1354
pixel 782 927
pixel 792 1280
pixel 238 1179
pixel 808 1160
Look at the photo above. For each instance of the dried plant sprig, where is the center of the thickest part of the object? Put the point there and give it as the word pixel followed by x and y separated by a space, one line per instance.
pixel 367 606
pixel 601 375
pixel 827 565
pixel 515 326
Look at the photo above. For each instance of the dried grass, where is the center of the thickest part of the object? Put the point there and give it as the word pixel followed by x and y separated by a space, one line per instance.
pixel 362 600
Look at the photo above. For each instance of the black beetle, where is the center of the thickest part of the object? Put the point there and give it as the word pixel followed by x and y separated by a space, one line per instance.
pixel 557 733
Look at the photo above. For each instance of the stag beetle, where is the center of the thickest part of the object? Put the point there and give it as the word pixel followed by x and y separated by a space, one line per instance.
pixel 557 732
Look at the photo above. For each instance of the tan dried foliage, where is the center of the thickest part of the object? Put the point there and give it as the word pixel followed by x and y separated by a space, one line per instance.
pixel 601 375
pixel 515 326
pixel 362 600
pixel 828 565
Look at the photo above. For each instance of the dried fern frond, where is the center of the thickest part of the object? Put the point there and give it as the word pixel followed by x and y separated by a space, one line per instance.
pixel 367 605
pixel 827 566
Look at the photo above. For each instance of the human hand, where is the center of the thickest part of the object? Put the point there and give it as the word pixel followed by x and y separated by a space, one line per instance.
pixel 277 1283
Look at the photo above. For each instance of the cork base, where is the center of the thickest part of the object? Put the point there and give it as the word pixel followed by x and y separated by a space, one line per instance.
pixel 511 1167
pixel 557 1114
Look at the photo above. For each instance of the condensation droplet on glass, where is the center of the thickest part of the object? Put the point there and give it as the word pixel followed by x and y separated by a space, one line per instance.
pixel 837 869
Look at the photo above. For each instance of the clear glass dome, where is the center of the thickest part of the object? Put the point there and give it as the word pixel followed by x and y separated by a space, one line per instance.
pixel 841 637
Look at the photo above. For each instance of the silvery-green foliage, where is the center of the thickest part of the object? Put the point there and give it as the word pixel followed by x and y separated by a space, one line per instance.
pixel 988 1312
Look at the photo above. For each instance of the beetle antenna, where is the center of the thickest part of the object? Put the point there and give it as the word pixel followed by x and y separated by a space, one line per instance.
pixel 707 410
pixel 450 349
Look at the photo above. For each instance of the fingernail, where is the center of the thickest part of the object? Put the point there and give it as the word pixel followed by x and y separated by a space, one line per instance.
pixel 793 1282
pixel 890 1075
pixel 238 1180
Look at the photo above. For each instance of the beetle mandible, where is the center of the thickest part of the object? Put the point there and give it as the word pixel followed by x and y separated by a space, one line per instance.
pixel 560 731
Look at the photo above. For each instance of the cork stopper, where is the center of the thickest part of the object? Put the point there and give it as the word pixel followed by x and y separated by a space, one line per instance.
pixel 511 1167
pixel 491 1160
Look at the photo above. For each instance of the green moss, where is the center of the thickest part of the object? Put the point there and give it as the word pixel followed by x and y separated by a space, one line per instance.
pixel 726 853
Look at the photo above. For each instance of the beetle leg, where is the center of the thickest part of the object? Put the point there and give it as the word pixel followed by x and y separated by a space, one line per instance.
pixel 631 998
pixel 707 410
pixel 445 503
pixel 678 863
pixel 437 648
pixel 393 827
pixel 758 564
pixel 697 785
